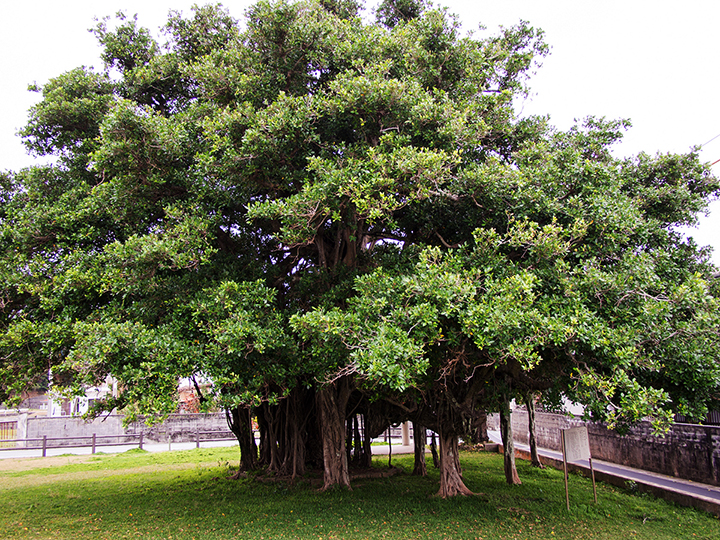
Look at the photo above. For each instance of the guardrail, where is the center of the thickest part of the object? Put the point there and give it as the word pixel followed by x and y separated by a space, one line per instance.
pixel 94 441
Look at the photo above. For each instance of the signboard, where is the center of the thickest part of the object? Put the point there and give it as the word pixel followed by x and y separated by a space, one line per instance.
pixel 577 444
pixel 576 447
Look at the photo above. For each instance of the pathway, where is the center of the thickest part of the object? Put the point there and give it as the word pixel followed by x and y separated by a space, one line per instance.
pixel 683 492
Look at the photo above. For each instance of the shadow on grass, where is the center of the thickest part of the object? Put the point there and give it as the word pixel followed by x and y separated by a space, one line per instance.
pixel 187 495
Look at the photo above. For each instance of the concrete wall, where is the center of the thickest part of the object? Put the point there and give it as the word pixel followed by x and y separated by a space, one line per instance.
pixel 73 426
pixel 180 427
pixel 688 451
pixel 22 423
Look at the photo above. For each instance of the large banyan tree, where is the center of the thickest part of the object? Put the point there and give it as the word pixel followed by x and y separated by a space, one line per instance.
pixel 331 220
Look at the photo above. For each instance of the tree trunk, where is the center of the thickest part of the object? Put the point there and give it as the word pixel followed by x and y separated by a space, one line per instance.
pixel 480 431
pixel 420 468
pixel 240 423
pixel 298 450
pixel 349 438
pixel 451 482
pixel 271 414
pixel 294 447
pixel 332 401
pixel 511 475
pixel 389 439
pixel 358 439
pixel 264 429
pixel 366 456
pixel 529 399
pixel 433 450
pixel 311 433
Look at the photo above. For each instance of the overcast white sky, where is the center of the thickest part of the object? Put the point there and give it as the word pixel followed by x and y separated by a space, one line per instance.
pixel 653 61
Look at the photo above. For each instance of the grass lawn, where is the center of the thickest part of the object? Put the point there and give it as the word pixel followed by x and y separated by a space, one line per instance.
pixel 186 494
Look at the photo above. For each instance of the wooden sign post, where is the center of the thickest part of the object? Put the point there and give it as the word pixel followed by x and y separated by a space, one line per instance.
pixel 576 447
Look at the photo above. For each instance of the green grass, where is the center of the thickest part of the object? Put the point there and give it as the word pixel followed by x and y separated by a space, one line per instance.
pixel 185 495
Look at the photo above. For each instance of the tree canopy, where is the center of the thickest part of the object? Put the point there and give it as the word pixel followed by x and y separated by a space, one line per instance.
pixel 328 218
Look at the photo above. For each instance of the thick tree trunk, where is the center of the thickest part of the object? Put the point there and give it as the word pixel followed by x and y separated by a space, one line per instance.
pixel 529 399
pixel 240 423
pixel 451 482
pixel 332 401
pixel 420 468
pixel 511 475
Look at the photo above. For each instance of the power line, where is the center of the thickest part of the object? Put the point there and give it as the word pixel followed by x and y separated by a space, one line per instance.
pixel 711 140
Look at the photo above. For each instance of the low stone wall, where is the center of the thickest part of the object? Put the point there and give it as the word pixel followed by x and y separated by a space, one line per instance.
pixel 179 427
pixel 688 451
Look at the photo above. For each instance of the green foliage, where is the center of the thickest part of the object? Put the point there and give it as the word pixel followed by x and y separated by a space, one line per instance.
pixel 127 46
pixel 391 12
pixel 310 196
pixel 66 122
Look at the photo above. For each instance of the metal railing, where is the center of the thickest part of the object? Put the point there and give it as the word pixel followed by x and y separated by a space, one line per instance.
pixel 95 441
pixel 712 419
pixel 8 430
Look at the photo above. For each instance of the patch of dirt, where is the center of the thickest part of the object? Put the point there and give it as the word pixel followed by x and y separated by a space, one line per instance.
pixel 466 447
pixel 10 482
pixel 26 464
pixel 372 472
pixel 315 477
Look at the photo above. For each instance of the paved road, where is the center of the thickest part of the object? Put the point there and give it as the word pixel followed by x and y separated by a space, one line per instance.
pixel 115 449
pixel 161 447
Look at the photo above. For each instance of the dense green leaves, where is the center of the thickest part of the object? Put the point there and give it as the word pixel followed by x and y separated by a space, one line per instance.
pixel 309 198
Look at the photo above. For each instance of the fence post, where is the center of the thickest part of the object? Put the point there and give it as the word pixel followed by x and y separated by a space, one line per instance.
pixel 197 439
pixel 141 437
pixel 44 445
pixel 169 442
pixel 22 429
pixel 93 444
